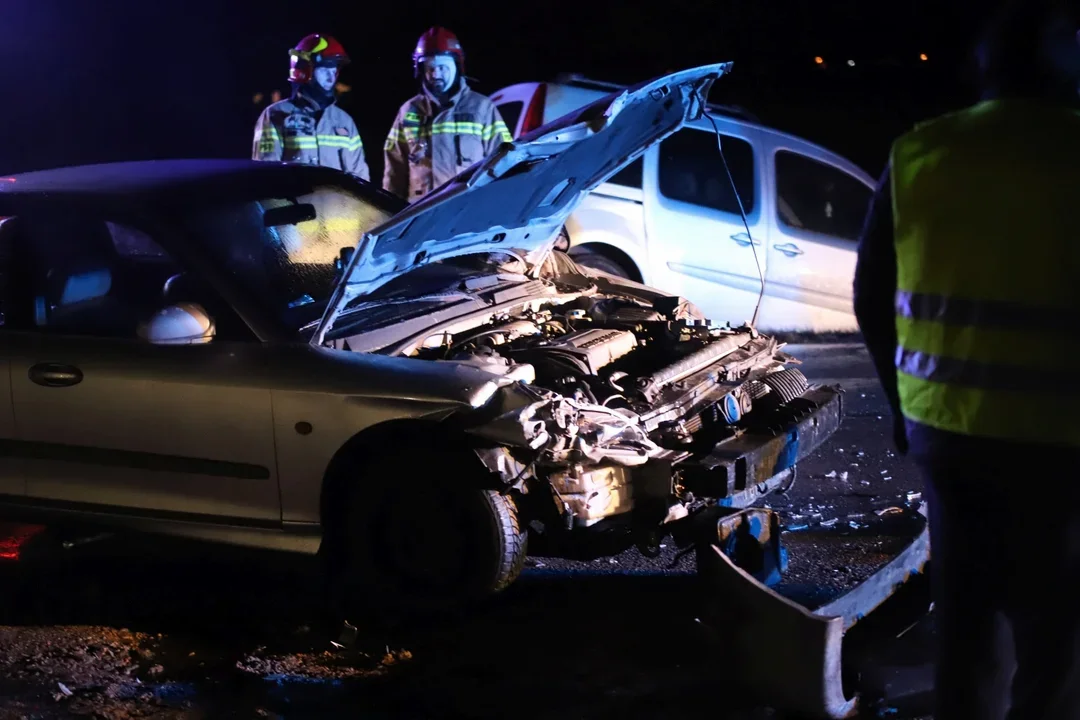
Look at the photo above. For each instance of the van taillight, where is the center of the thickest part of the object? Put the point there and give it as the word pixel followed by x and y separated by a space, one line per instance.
pixel 534 116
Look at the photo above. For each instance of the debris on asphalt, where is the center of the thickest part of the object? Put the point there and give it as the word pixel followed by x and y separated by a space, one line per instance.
pixel 832 563
pixel 314 666
pixel 347 637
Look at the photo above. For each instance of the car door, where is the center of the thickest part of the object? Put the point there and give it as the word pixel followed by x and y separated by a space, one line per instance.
pixel 11 480
pixel 819 208
pixel 107 422
pixel 698 243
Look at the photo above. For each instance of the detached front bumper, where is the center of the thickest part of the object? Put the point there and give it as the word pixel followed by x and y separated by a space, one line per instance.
pixel 739 471
pixel 789 655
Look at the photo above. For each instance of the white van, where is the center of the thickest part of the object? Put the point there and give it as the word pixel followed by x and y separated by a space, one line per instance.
pixel 671 220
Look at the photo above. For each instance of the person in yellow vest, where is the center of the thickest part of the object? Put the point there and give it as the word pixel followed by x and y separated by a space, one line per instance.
pixel 443 130
pixel 309 128
pixel 967 292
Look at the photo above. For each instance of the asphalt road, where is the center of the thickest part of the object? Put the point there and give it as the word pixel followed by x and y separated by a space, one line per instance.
pixel 128 629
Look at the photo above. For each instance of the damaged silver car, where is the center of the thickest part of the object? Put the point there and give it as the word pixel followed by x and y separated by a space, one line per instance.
pixel 285 357
pixel 464 386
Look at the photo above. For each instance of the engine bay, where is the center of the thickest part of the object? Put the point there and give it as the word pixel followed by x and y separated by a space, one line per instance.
pixel 598 351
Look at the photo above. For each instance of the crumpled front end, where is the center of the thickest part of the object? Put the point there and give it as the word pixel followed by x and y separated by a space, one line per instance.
pixel 629 424
pixel 633 417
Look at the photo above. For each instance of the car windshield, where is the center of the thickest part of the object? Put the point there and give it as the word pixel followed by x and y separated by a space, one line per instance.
pixel 282 250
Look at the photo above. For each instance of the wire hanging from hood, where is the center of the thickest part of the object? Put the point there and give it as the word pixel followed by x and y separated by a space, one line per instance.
pixel 742 210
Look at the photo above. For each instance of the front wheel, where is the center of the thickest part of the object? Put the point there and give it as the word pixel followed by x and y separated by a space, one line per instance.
pixel 420 538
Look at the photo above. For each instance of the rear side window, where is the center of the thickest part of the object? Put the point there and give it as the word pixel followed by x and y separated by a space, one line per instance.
pixel 133 243
pixel 692 171
pixel 510 113
pixel 629 176
pixel 811 195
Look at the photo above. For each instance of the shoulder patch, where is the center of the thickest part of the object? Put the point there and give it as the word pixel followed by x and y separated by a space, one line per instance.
pixel 342 131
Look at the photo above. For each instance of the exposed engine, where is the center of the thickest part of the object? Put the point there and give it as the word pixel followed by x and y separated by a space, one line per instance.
pixel 616 396
pixel 611 352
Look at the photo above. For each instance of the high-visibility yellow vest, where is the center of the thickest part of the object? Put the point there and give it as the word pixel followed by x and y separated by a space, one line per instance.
pixel 986 205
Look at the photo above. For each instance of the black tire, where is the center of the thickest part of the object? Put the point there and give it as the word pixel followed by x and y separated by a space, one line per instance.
pixel 597 261
pixel 420 538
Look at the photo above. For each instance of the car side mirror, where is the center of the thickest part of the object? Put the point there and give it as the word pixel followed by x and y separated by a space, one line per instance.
pixel 184 323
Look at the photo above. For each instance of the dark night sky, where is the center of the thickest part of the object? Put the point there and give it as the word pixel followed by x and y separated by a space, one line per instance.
pixel 132 79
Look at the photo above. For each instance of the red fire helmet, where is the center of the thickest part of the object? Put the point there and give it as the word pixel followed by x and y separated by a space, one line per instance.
pixel 315 51
pixel 438 41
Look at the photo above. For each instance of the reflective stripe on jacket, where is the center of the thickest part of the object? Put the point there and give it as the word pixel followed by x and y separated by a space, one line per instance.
pixel 288 131
pixel 988 272
pixel 428 145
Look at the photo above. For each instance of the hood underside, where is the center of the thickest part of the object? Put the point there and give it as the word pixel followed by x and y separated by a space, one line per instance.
pixel 517 199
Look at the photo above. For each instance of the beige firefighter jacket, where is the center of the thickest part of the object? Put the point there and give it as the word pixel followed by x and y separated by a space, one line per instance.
pixel 429 144
pixel 288 131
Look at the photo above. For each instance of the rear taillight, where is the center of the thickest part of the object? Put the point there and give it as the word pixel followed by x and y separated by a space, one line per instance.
pixel 534 116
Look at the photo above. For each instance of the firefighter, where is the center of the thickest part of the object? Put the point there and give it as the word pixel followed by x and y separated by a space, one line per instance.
pixel 444 129
pixel 966 294
pixel 309 128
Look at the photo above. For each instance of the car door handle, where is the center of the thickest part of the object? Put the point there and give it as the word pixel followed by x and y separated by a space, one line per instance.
pixel 789 249
pixel 55 375
pixel 744 240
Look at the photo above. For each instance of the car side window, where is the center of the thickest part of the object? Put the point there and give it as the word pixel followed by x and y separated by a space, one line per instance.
pixel 79 275
pixel 133 243
pixel 814 196
pixel 692 171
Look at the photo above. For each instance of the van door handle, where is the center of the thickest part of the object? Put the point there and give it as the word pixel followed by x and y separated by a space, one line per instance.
pixel 789 249
pixel 55 375
pixel 744 240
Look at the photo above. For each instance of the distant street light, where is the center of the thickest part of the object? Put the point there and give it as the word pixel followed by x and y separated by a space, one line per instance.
pixel 819 60
pixel 923 57
pixel 851 63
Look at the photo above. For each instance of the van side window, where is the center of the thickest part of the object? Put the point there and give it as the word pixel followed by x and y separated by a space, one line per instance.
pixel 692 171
pixel 629 176
pixel 811 195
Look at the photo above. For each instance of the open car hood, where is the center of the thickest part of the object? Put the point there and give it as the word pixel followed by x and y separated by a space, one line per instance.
pixel 517 199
